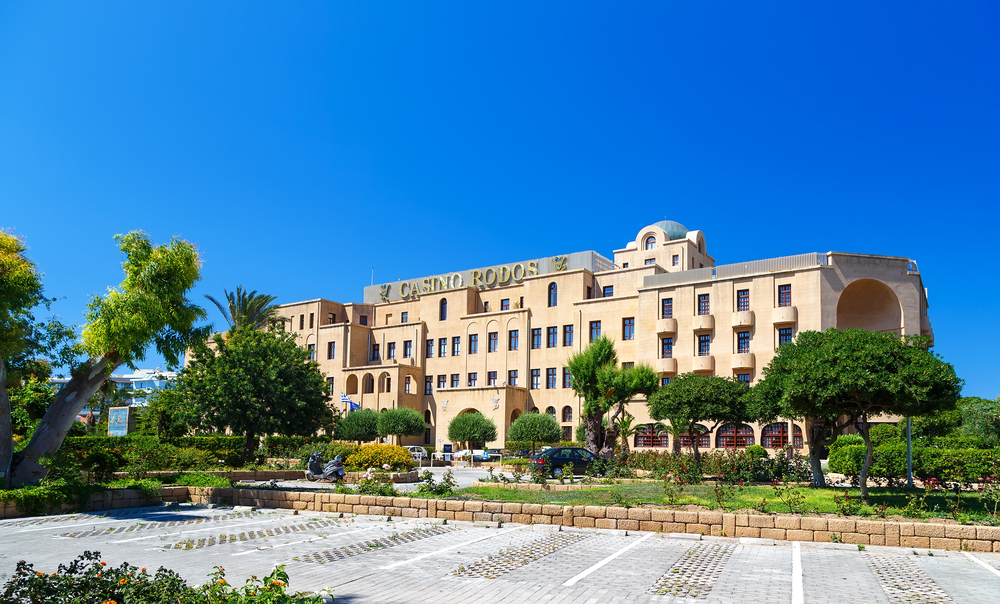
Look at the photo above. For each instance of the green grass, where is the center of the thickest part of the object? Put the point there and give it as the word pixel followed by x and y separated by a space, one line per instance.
pixel 749 497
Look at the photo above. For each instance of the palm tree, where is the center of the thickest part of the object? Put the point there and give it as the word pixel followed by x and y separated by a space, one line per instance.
pixel 626 430
pixel 247 309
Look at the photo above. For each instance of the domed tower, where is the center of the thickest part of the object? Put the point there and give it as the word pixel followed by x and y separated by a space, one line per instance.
pixel 668 245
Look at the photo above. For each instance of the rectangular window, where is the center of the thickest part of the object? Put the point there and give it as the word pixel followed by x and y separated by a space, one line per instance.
pixel 505 304
pixel 743 300
pixel 676 260
pixel 472 379
pixel 784 336
pixel 650 261
pixel 364 319
pixel 473 343
pixel 595 330
pixel 743 342
pixel 454 380
pixel 332 318
pixel 536 379
pixel 784 295
pixel 375 352
pixel 551 337
pixel 491 378
pixel 329 382
pixel 443 347
pixel 536 338
pixel 429 353
pixel 442 380
pixel 703 308
pixel 428 385
pixel 404 317
pixel 550 378
pixel 567 335
pixel 624 264
pixel 302 322
pixel 664 381
pixel 427 436
pixel 312 352
pixel 512 377
pixel 390 352
pixel 667 308
pixel 406 385
pixel 703 346
pixel 512 339
pixel 456 346
pixel 491 345
pixel 608 291
pixel 331 350
pixel 628 328
pixel 590 292
pixel 743 378
pixel 628 365
pixel 312 318
pixel 407 349
pixel 667 348
pixel 567 378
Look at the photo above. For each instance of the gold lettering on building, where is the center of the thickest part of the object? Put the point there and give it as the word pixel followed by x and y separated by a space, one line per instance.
pixel 477 279
pixel 504 275
pixel 532 268
pixel 559 263
pixel 513 272
pixel 490 282
pixel 456 280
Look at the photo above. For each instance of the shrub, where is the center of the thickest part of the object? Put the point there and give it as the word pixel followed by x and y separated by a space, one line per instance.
pixel 472 428
pixel 846 440
pixel 101 465
pixel 288 446
pixel 883 434
pixel 201 479
pixel 376 456
pixel 359 426
pixel 327 452
pixel 757 452
pixel 958 465
pixel 536 428
pixel 401 421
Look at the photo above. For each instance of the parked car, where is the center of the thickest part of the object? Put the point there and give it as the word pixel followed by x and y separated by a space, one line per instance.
pixel 470 455
pixel 560 456
pixel 416 452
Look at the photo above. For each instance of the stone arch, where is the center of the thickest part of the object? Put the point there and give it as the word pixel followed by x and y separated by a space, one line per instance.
pixel 869 304
pixel 649 243
pixel 567 414
pixel 384 382
pixel 352 384
pixel 516 413
pixel 551 411
pixel 368 383
pixel 428 416
pixel 469 410
pixel 732 436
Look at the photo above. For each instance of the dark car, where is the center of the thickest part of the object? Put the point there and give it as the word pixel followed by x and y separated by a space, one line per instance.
pixel 560 456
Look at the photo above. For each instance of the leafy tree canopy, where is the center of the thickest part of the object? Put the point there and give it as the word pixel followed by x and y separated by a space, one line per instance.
pixel 255 382
pixel 472 428
pixel 360 426
pixel 535 428
pixel 246 309
pixel 691 398
pixel 401 421
pixel 854 375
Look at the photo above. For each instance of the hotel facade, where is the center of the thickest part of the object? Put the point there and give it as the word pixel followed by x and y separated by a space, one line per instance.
pixel 496 339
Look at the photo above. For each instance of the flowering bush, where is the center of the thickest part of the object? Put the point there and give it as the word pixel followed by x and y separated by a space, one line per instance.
pixel 89 580
pixel 375 456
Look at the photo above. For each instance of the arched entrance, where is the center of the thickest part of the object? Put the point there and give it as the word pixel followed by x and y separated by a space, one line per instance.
pixel 869 304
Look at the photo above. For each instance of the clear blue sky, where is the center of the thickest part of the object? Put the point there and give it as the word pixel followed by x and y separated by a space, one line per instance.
pixel 300 144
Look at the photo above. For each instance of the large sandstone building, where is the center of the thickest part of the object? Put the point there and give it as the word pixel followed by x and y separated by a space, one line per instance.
pixel 496 339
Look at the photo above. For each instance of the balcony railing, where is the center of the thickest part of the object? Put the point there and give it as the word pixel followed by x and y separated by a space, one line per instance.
pixel 785 314
pixel 703 322
pixel 743 318
pixel 743 360
pixel 666 326
pixel 703 364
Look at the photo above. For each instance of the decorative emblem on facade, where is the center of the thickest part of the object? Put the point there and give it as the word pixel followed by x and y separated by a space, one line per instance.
pixel 496 403
pixel 444 405
pixel 384 292
pixel 559 263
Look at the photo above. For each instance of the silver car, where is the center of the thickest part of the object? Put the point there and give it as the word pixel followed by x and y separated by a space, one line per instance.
pixel 418 453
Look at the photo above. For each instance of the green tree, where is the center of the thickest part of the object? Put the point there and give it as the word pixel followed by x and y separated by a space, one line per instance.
pixel 535 428
pixel 246 309
pixel 255 382
pixel 847 378
pixel 690 399
pixel 606 387
pixel 360 426
pixel 980 419
pixel 148 308
pixel 625 430
pixel 166 415
pixel 401 421
pixel 469 428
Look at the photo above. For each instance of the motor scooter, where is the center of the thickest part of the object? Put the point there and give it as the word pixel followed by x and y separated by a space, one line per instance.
pixel 332 471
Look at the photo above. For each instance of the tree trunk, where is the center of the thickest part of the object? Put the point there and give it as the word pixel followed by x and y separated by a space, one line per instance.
pixel 594 434
pixel 249 445
pixel 610 438
pixel 51 431
pixel 865 434
pixel 6 429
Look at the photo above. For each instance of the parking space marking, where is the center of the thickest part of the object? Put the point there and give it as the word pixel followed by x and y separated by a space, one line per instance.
pixel 983 564
pixel 441 551
pixel 798 596
pixel 210 528
pixel 597 566
pixel 261 549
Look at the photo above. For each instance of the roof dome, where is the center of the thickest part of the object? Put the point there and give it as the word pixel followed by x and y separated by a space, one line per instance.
pixel 674 230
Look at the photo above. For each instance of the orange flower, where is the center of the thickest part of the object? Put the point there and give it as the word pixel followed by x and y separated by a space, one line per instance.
pixel 103 563
pixel 39 574
pixel 123 582
pixel 222 581
pixel 143 569
pixel 98 574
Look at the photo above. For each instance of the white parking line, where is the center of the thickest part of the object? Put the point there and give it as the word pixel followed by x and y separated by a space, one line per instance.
pixel 440 551
pixel 59 527
pixel 983 564
pixel 797 588
pixel 261 549
pixel 574 580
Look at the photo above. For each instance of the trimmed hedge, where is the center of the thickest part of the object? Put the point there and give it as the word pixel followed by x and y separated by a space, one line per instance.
pixel 288 446
pixel 375 456
pixel 889 463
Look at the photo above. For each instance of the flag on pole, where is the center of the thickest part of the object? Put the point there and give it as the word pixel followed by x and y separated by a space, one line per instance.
pixel 352 405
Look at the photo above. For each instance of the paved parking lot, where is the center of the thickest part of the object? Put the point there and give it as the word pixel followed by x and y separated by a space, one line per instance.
pixel 367 559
